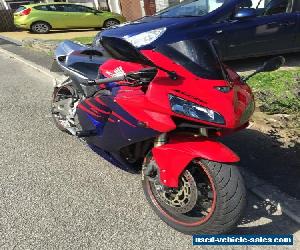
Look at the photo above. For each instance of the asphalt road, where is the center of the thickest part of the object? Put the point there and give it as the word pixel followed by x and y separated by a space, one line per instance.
pixel 55 193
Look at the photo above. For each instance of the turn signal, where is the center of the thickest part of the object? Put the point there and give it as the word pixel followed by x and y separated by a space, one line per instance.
pixel 224 89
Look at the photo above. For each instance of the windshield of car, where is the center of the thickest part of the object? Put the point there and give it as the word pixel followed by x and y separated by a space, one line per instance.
pixel 198 56
pixel 191 8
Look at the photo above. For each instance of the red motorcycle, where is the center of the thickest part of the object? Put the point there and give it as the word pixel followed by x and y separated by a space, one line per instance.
pixel 159 112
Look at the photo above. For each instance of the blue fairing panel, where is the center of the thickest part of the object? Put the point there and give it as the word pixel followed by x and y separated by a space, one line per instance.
pixel 116 128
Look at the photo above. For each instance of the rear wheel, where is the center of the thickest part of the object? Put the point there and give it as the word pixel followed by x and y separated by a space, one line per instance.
pixel 63 107
pixel 210 198
pixel 110 23
pixel 40 27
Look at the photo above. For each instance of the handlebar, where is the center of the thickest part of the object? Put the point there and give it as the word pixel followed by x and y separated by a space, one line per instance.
pixel 132 76
pixel 107 80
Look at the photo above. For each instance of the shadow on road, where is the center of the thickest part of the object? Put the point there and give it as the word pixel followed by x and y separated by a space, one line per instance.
pixel 265 156
pixel 292 60
pixel 262 218
pixel 69 30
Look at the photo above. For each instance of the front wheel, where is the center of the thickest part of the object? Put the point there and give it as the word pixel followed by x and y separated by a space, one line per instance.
pixel 110 23
pixel 210 198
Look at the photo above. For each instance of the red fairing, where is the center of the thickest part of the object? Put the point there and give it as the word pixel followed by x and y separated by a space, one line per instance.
pixel 153 107
pixel 230 105
pixel 172 158
pixel 136 103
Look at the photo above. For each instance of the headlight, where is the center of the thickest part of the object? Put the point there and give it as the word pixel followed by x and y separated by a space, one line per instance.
pixel 193 110
pixel 145 38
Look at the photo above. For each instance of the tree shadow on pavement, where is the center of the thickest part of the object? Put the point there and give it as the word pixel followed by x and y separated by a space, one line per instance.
pixel 265 156
pixel 262 218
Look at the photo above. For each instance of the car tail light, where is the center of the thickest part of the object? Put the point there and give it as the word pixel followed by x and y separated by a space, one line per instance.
pixel 25 12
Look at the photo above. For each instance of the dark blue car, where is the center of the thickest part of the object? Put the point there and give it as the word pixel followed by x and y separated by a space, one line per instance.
pixel 243 28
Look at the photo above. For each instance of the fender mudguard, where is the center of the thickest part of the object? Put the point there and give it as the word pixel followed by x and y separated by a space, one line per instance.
pixel 172 158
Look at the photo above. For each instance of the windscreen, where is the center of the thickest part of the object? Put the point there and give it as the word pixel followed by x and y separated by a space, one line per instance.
pixel 123 50
pixel 190 8
pixel 197 56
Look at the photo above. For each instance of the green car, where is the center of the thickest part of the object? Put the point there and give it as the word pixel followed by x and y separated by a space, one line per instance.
pixel 41 18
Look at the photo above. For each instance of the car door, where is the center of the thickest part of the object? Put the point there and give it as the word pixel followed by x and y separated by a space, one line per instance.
pixel 272 30
pixel 81 16
pixel 90 18
pixel 55 16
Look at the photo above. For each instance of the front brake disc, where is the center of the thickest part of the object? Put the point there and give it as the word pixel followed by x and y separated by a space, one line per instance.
pixel 180 200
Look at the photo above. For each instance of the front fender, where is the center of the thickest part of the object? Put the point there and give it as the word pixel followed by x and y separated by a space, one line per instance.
pixel 172 158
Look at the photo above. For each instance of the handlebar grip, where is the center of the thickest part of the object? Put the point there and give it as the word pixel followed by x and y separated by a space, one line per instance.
pixel 112 79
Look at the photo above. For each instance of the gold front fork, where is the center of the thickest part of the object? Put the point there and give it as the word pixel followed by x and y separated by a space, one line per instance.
pixel 160 140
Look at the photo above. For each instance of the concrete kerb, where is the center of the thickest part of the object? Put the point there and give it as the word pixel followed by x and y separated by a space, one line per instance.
pixel 31 64
pixel 11 40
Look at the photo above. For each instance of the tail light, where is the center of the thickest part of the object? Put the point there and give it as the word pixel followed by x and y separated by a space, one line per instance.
pixel 25 12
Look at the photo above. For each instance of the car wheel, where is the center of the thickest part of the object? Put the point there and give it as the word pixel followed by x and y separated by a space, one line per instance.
pixel 110 22
pixel 40 27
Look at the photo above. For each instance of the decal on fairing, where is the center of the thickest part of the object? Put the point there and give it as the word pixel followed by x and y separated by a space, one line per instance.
pixel 99 114
pixel 116 72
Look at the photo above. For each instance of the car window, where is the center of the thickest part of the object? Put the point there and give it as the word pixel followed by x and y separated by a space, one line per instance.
pixel 56 7
pixel 191 8
pixel 77 8
pixel 42 7
pixel 296 6
pixel 276 7
pixel 64 7
pixel 71 8
pixel 85 9
pixel 266 7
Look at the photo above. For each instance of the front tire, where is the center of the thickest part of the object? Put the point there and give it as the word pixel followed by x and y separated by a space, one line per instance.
pixel 215 204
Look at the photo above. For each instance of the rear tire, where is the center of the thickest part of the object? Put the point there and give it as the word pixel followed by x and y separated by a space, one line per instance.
pixel 227 204
pixel 62 93
pixel 110 23
pixel 40 27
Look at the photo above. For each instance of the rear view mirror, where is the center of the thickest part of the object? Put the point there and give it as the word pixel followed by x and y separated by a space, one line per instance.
pixel 272 64
pixel 244 14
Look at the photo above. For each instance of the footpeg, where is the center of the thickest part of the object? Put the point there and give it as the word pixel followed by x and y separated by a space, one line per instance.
pixel 86 133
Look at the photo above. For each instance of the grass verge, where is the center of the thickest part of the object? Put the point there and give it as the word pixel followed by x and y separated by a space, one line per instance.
pixel 278 92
